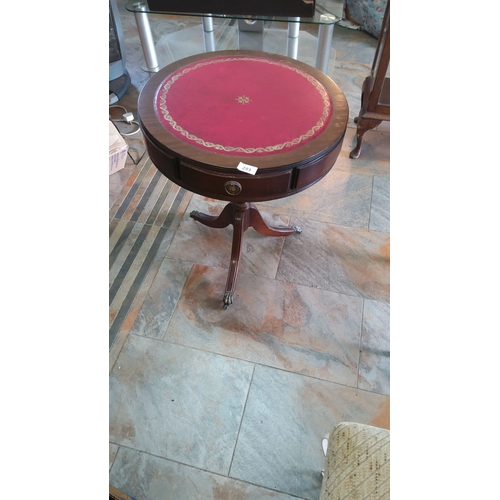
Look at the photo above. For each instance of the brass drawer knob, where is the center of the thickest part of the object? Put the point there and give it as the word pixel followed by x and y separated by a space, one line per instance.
pixel 232 187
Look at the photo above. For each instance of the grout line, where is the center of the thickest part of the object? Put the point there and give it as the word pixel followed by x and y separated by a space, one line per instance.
pixel 115 351
pixel 275 277
pixel 256 363
pixel 208 471
pixel 360 342
pixel 241 422
pixel 176 304
pixel 116 454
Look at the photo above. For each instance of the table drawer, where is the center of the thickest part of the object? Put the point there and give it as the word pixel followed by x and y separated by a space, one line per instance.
pixel 244 187
pixel 311 173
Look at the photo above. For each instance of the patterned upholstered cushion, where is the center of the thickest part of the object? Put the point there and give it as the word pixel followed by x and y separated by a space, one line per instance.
pixel 357 464
pixel 369 14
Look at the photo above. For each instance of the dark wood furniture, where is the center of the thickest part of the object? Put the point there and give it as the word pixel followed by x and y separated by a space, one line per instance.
pixel 116 494
pixel 375 97
pixel 205 115
pixel 292 8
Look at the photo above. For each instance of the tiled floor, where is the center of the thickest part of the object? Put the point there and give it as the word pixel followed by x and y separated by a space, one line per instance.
pixel 207 403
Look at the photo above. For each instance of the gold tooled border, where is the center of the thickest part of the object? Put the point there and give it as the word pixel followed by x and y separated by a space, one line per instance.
pixel 162 95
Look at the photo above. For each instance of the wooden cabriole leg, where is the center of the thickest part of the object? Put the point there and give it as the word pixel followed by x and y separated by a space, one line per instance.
pixel 364 124
pixel 241 216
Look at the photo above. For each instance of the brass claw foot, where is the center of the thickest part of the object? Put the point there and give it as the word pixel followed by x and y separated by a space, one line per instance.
pixel 228 299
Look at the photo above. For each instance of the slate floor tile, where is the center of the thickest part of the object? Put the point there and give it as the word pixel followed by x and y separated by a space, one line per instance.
pixel 345 260
pixel 161 298
pixel 177 403
pixel 146 477
pixel 295 328
pixel 341 197
pixel 286 416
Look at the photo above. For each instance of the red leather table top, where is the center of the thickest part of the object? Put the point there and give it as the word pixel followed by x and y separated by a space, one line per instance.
pixel 232 105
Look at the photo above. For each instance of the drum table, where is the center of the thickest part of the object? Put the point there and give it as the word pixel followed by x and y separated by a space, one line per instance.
pixel 244 127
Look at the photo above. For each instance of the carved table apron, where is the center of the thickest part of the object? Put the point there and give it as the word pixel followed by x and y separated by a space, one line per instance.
pixel 208 119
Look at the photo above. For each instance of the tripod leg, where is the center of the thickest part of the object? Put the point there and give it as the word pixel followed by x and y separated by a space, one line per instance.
pixel 240 225
pixel 261 226
pixel 219 221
